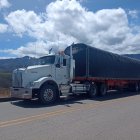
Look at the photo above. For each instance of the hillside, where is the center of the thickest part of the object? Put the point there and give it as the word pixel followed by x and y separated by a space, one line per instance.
pixel 5 79
pixel 8 65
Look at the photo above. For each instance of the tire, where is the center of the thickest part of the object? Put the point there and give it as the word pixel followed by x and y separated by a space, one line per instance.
pixel 136 87
pixel 48 94
pixel 102 89
pixel 93 91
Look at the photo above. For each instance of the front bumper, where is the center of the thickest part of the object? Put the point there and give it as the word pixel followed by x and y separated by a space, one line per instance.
pixel 21 93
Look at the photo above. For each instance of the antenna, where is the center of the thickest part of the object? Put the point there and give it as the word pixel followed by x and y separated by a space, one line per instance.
pixel 50 50
pixel 72 44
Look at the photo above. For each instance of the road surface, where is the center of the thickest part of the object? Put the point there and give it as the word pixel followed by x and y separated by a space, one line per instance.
pixel 114 117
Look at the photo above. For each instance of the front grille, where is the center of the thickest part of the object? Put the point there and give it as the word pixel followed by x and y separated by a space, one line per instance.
pixel 17 79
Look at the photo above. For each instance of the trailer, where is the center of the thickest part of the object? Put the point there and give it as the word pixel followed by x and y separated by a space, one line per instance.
pixel 105 70
pixel 80 69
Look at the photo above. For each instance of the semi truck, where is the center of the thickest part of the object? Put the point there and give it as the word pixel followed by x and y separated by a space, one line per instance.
pixel 79 69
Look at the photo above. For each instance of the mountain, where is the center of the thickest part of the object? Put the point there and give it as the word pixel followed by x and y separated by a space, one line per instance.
pixel 8 65
pixel 135 56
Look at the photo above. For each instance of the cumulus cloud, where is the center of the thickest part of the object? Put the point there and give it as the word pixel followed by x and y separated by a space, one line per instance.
pixel 67 21
pixel 4 4
pixel 33 49
pixel 3 28
pixel 22 22
pixel 133 13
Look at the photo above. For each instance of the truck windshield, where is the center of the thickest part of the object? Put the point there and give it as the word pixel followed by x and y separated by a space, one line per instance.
pixel 47 60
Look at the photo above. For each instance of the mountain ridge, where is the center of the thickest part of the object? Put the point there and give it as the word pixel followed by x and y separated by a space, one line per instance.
pixel 8 65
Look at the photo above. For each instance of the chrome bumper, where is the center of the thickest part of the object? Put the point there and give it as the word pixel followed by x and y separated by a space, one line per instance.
pixel 21 93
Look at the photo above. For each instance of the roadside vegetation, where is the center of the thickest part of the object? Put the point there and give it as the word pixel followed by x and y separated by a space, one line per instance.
pixel 5 83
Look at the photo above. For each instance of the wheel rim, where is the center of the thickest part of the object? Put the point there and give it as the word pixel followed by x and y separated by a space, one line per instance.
pixel 48 94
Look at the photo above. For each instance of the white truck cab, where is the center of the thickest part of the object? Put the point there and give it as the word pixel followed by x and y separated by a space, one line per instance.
pixel 45 81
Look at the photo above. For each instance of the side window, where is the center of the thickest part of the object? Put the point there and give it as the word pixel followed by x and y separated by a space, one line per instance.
pixel 64 62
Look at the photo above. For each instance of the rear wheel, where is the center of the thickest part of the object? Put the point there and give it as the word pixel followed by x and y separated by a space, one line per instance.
pixel 93 91
pixel 102 89
pixel 136 87
pixel 48 94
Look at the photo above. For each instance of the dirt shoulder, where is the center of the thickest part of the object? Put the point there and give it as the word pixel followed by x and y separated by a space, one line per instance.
pixel 4 93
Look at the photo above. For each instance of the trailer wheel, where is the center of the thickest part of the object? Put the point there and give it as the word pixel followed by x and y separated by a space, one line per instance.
pixel 48 94
pixel 93 91
pixel 102 89
pixel 136 87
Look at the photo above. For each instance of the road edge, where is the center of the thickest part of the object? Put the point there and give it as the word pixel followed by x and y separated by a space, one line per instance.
pixel 6 99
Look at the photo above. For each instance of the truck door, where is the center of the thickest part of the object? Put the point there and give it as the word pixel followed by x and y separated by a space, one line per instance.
pixel 61 72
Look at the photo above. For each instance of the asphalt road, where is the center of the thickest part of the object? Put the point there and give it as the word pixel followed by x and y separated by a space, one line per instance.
pixel 114 117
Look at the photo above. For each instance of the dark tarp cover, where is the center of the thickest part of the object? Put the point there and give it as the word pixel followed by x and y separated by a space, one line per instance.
pixel 93 62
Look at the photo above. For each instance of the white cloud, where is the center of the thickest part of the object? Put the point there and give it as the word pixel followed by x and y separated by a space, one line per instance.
pixel 30 49
pixel 7 58
pixel 36 49
pixel 133 13
pixel 3 28
pixel 22 22
pixel 4 4
pixel 66 21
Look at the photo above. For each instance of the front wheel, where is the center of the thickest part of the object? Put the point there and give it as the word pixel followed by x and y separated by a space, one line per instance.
pixel 48 94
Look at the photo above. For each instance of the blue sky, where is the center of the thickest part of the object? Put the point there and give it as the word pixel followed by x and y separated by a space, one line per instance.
pixel 32 27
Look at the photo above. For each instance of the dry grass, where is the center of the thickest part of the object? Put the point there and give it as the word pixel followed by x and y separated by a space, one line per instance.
pixel 4 92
